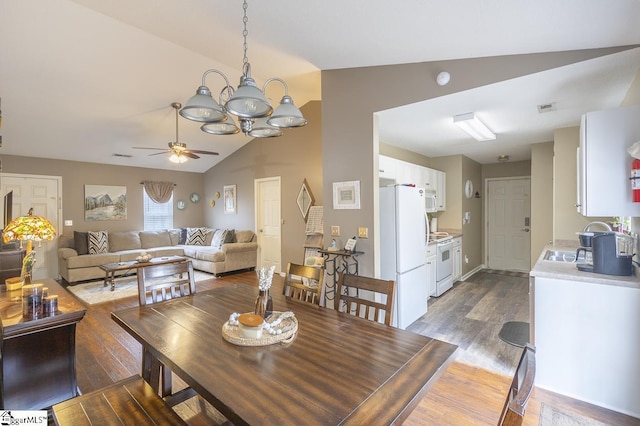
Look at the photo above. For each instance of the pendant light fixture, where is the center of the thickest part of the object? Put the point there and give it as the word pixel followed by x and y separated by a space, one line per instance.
pixel 247 102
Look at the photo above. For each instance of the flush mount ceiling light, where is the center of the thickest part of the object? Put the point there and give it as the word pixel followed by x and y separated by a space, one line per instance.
pixel 473 126
pixel 247 102
pixel 503 158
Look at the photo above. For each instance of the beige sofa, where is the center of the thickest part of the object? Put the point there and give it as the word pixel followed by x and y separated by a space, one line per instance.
pixel 239 253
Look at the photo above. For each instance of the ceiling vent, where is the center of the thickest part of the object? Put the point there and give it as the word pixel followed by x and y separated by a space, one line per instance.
pixel 547 107
pixel 122 155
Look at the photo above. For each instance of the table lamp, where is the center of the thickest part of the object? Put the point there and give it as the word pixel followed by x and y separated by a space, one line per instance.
pixel 29 228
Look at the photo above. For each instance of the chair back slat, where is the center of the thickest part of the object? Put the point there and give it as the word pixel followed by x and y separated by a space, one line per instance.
pixel 157 283
pixel 349 298
pixel 520 389
pixel 303 283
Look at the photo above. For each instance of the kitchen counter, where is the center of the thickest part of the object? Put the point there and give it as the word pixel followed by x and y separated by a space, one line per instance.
pixel 444 233
pixel 568 270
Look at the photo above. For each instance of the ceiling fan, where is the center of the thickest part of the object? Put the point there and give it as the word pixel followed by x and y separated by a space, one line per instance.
pixel 178 150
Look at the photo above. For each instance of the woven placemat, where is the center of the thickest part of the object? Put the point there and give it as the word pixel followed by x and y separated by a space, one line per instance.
pixel 289 327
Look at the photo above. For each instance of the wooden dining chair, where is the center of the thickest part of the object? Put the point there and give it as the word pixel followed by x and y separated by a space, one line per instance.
pixel 520 389
pixel 295 286
pixel 157 283
pixel 348 297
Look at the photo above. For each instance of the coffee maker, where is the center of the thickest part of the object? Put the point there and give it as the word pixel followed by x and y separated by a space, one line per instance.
pixel 611 254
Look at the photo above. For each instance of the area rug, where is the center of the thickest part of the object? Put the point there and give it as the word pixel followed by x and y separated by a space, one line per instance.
pixel 553 416
pixel 95 292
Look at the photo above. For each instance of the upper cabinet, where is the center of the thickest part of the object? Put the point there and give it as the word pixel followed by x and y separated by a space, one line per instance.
pixel 403 172
pixel 604 165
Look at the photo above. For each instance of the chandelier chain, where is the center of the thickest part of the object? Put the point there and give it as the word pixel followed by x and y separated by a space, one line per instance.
pixel 245 46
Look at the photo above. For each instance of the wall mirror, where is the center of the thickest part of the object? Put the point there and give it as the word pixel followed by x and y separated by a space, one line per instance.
pixel 305 199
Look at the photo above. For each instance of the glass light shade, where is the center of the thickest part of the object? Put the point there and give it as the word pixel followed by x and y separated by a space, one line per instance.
pixel 287 114
pixel 178 158
pixel 202 107
pixel 226 127
pixel 261 129
pixel 248 101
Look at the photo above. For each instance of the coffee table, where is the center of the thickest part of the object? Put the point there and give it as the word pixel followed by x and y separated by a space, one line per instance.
pixel 110 269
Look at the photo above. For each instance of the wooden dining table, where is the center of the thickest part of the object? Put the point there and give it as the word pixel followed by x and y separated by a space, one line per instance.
pixel 339 369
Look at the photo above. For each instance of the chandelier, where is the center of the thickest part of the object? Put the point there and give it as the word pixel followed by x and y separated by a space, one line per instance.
pixel 248 103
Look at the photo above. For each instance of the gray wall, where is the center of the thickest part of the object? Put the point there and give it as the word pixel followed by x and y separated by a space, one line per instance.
pixel 295 156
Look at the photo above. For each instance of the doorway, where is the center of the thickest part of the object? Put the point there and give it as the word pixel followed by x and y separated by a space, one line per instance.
pixel 43 194
pixel 268 222
pixel 508 213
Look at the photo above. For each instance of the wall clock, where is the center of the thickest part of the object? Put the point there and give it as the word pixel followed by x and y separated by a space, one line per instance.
pixel 468 188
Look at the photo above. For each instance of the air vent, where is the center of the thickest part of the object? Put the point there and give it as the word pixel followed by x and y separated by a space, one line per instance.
pixel 122 155
pixel 546 107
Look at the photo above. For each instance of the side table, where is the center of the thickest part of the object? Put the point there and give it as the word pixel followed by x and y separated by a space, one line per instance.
pixel 342 261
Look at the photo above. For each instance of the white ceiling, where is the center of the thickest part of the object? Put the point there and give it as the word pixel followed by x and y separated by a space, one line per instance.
pixel 84 79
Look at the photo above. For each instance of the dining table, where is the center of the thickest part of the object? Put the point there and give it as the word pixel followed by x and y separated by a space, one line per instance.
pixel 336 369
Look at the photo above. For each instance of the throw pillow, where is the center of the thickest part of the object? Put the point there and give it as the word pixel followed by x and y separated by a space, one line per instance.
pixel 81 242
pixel 218 238
pixel 244 236
pixel 230 237
pixel 183 236
pixel 197 236
pixel 98 242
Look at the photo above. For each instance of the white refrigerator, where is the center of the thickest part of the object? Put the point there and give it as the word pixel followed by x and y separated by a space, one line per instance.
pixel 403 244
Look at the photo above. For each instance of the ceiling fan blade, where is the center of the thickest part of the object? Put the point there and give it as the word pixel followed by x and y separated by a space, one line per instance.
pixel 160 153
pixel 197 151
pixel 189 154
pixel 144 147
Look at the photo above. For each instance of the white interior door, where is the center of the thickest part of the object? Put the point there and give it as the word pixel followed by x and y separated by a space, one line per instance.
pixel 508 224
pixel 43 194
pixel 268 222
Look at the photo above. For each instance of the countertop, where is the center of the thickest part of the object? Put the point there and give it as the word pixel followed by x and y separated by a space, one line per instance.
pixel 454 233
pixel 568 270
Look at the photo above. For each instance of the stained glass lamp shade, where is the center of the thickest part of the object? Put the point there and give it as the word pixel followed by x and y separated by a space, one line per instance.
pixel 29 228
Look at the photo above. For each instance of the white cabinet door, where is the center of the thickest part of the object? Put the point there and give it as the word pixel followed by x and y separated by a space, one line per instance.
pixel 457 258
pixel 431 269
pixel 441 189
pixel 386 167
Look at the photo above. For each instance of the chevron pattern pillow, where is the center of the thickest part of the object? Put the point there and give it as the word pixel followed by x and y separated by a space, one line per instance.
pixel 197 236
pixel 98 242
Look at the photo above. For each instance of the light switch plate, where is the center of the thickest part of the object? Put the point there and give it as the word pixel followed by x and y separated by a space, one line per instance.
pixel 68 223
pixel 335 231
pixel 363 232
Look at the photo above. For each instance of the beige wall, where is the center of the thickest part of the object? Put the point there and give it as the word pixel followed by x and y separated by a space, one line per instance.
pixel 541 198
pixel 295 156
pixel 350 97
pixel 75 175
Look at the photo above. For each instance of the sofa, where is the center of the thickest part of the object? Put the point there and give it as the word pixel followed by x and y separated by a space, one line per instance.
pixel 210 250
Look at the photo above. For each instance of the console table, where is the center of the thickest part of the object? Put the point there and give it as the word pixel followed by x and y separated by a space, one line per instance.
pixel 38 365
pixel 342 261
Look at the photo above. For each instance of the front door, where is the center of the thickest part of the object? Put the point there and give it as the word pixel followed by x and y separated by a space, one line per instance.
pixel 508 224
pixel 42 193
pixel 268 222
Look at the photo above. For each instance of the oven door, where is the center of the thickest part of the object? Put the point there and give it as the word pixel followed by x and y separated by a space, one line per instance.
pixel 444 264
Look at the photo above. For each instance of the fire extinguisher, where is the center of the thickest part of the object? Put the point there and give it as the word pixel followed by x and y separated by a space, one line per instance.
pixel 635 180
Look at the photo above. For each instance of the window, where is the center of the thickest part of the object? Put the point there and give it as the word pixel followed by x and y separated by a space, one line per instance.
pixel 157 216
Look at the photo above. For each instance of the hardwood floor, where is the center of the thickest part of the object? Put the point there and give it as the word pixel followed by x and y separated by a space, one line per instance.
pixel 465 394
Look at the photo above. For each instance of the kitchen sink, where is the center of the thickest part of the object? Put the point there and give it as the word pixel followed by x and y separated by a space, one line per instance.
pixel 562 256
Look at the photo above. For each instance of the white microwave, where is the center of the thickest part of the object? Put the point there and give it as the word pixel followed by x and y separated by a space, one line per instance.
pixel 430 202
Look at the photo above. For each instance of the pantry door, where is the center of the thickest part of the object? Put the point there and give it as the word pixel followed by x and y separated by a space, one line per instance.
pixel 268 222
pixel 43 194
pixel 508 224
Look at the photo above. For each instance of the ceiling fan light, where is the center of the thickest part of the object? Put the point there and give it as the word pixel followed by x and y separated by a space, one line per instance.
pixel 261 129
pixel 287 114
pixel 226 127
pixel 473 126
pixel 202 107
pixel 248 101
pixel 178 158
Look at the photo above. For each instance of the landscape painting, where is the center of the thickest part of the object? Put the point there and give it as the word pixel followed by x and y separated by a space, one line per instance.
pixel 104 202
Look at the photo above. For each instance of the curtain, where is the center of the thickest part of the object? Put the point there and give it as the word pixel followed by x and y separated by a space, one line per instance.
pixel 160 192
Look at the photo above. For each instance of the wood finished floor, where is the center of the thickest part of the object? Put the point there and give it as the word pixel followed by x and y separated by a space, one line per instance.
pixel 466 394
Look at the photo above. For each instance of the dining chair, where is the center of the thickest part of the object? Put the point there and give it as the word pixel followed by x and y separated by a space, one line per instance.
pixel 349 298
pixel 303 283
pixel 157 283
pixel 520 389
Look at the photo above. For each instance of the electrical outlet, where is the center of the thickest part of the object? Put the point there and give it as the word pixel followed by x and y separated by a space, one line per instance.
pixel 335 231
pixel 363 232
pixel 68 222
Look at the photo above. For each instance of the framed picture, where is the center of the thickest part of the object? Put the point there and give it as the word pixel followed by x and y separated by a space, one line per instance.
pixel 305 200
pixel 229 192
pixel 346 195
pixel 105 202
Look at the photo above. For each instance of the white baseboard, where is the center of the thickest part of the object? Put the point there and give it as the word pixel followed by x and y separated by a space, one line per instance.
pixel 471 272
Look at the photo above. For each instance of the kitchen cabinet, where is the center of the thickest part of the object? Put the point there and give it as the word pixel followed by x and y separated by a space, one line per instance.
pixel 403 172
pixel 441 189
pixel 431 268
pixel 604 165
pixel 457 258
pixel 386 167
